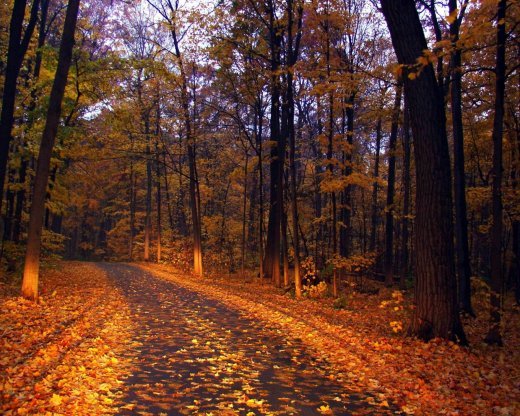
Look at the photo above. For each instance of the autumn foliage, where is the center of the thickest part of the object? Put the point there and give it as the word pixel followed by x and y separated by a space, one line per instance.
pixel 338 177
pixel 65 355
pixel 73 352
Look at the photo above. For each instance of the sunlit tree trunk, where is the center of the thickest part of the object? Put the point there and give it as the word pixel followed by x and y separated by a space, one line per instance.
pixel 190 140
pixel 285 248
pixel 148 202
pixel 494 335
pixel 436 313
pixel 32 257
pixel 158 181
pixel 293 46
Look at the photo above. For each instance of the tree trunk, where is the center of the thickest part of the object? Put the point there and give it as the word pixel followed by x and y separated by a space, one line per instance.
pixel 436 313
pixel 132 206
pixel 405 249
pixel 20 199
pixel 244 216
pixel 390 190
pixel 261 192
pixel 293 51
pixel 345 237
pixel 190 140
pixel 21 192
pixel 294 206
pixel 461 218
pixel 32 257
pixel 375 189
pixel 16 50
pixel 494 335
pixel 272 249
pixel 158 189
pixel 148 202
pixel 167 192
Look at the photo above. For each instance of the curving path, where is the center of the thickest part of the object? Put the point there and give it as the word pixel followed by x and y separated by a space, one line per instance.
pixel 197 356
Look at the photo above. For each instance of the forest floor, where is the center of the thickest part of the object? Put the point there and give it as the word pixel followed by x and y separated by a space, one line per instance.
pixel 149 339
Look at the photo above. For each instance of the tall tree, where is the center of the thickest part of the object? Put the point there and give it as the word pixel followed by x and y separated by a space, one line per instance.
pixel 273 242
pixel 170 12
pixel 293 46
pixel 494 335
pixel 459 178
pixel 390 192
pixel 19 40
pixel 436 313
pixel 32 256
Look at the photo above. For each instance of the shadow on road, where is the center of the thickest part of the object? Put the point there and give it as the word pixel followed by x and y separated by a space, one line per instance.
pixel 197 356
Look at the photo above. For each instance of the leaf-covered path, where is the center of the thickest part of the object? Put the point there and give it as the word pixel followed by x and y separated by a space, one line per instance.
pixel 197 356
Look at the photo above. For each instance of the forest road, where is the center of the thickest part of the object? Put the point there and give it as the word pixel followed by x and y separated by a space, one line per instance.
pixel 196 356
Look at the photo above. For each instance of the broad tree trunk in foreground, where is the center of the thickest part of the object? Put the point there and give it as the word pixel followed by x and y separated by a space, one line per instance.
pixel 494 335
pixel 436 313
pixel 32 256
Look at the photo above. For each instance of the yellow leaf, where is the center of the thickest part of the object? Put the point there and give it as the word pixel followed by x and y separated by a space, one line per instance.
pixel 325 409
pixel 56 400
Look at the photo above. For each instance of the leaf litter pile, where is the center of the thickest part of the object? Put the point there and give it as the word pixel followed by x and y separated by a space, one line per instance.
pixel 62 356
pixel 90 348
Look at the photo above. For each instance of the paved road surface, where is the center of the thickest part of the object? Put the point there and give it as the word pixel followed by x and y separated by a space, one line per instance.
pixel 198 356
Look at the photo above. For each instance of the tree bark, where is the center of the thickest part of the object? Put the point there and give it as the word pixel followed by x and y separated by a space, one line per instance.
pixel 390 190
pixel 21 192
pixel 16 50
pixel 293 51
pixel 436 313
pixel 148 202
pixel 461 218
pixel 158 181
pixel 375 189
pixel 345 238
pixel 190 140
pixel 244 217
pixel 32 256
pixel 405 249
pixel 273 243
pixel 494 335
